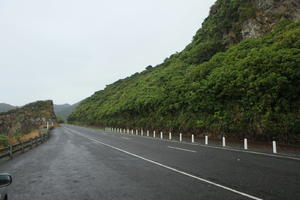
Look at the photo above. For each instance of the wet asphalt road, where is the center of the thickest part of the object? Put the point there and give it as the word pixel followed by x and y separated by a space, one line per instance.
pixel 81 163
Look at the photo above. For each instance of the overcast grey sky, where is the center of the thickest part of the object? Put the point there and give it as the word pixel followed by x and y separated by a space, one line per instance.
pixel 65 50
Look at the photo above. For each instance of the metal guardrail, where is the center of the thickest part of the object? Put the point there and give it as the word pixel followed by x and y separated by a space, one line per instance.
pixel 10 150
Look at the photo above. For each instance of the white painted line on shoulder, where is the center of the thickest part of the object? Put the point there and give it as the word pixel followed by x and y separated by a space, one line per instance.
pixel 126 138
pixel 170 168
pixel 182 149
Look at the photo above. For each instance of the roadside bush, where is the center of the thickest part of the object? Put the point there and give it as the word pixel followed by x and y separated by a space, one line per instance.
pixel 3 140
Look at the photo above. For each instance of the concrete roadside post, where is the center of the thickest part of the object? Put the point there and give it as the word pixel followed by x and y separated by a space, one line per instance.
pixel 47 125
pixel 154 134
pixel 206 140
pixel 10 151
pixel 274 147
pixel 193 139
pixel 22 146
pixel 245 143
pixel 161 135
pixel 142 132
pixel 170 136
pixel 180 137
pixel 223 142
pixel 31 143
pixel 147 133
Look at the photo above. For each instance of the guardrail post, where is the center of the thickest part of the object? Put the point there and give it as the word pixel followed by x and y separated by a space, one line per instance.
pixel 245 143
pixel 206 140
pixel 154 134
pixel 22 147
pixel 170 136
pixel 161 135
pixel 180 137
pixel 274 147
pixel 193 139
pixel 10 150
pixel 223 142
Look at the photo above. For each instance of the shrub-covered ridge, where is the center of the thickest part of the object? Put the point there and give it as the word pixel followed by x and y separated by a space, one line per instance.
pixel 249 89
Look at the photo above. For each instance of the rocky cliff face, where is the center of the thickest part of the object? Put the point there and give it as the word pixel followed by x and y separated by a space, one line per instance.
pixel 267 14
pixel 27 118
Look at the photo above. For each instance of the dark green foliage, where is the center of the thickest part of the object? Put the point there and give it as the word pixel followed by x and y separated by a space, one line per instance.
pixel 3 140
pixel 60 120
pixel 249 89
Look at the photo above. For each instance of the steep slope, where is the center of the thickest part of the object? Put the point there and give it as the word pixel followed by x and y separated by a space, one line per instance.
pixel 186 93
pixel 27 118
pixel 6 107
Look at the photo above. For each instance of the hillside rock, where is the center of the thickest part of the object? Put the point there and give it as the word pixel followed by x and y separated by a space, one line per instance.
pixel 269 13
pixel 27 118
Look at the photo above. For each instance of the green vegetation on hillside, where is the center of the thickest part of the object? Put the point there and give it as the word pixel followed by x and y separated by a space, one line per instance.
pixel 214 86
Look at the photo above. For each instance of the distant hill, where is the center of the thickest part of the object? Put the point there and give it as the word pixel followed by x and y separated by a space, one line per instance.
pixel 64 110
pixel 6 107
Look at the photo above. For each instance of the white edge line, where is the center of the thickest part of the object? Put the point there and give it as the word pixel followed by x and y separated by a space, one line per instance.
pixel 182 149
pixel 170 168
pixel 226 148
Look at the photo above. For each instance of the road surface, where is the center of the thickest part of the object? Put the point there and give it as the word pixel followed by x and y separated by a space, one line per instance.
pixel 87 164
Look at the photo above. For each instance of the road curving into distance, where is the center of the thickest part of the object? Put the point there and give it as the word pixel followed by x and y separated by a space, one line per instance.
pixel 82 163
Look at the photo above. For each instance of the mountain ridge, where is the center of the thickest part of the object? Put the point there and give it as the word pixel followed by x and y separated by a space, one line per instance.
pixel 163 97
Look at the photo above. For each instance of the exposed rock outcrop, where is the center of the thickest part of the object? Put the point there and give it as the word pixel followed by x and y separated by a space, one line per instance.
pixel 27 118
pixel 268 13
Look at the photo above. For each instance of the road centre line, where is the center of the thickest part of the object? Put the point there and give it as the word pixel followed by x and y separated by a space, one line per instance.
pixel 170 168
pixel 182 149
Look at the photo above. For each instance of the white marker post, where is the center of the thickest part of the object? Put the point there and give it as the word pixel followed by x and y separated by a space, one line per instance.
pixel 47 125
pixel 161 135
pixel 206 140
pixel 154 134
pixel 170 136
pixel 245 144
pixel 131 131
pixel 142 132
pixel 136 132
pixel 274 147
pixel 193 139
pixel 223 142
pixel 147 133
pixel 180 137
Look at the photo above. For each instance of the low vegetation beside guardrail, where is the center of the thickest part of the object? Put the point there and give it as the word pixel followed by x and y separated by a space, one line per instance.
pixel 10 150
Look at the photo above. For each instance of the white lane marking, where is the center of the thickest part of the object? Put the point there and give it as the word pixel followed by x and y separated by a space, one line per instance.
pixel 126 138
pixel 278 155
pixel 182 149
pixel 251 152
pixel 284 156
pixel 170 168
